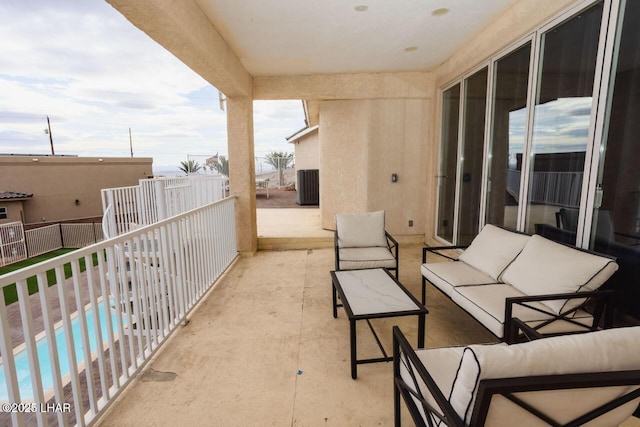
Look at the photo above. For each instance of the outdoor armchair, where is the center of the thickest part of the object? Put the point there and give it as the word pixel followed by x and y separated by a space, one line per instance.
pixel 561 381
pixel 360 242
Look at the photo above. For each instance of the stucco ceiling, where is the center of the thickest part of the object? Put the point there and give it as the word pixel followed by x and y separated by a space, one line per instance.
pixel 289 37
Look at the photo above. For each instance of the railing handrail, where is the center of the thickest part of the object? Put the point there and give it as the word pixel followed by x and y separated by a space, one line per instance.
pixel 24 273
pixel 139 288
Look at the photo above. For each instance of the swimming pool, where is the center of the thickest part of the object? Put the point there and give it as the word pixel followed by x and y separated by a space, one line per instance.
pixel 22 358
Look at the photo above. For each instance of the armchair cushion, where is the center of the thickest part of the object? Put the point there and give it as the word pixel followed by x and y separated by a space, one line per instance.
pixel 361 230
pixel 608 351
pixel 371 257
pixel 541 269
pixel 493 249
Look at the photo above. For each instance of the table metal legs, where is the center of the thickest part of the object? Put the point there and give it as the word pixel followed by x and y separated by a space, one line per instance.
pixel 354 361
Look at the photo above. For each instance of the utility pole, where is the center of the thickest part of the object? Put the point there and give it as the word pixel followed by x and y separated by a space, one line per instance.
pixel 130 143
pixel 50 136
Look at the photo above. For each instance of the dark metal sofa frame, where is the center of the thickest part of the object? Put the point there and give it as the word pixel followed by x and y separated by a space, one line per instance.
pixel 599 303
pixel 488 388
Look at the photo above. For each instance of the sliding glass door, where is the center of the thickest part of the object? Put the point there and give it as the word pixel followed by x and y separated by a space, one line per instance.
pixel 562 119
pixel 448 163
pixel 461 159
pixel 616 214
pixel 563 146
pixel 508 137
pixel 471 160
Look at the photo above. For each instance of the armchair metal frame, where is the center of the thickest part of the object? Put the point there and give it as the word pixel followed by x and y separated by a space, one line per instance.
pixel 488 388
pixel 392 245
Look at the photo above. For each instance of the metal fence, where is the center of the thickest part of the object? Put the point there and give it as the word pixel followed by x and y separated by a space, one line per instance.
pixel 17 244
pixel 155 199
pixel 277 171
pixel 550 188
pixel 55 236
pixel 77 343
pixel 12 243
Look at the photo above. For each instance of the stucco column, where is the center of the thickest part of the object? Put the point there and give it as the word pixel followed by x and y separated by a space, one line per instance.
pixel 242 174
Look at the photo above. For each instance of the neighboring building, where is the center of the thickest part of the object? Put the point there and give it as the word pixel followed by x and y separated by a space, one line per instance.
pixel 11 209
pixel 307 148
pixel 59 188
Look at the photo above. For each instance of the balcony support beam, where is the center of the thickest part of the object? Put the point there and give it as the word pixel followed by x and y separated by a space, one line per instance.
pixel 183 29
pixel 242 174
pixel 411 84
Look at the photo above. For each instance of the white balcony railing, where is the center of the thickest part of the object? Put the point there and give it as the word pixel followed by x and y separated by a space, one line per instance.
pixel 70 348
pixel 154 199
pixel 549 188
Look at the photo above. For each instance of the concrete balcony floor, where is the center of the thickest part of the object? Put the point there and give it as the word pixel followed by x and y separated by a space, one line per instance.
pixel 263 349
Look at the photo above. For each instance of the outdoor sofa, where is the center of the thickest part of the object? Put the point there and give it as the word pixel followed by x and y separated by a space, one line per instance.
pixel 505 274
pixel 591 378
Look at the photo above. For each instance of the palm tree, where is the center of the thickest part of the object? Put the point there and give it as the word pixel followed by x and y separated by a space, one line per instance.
pixel 220 165
pixel 279 160
pixel 189 166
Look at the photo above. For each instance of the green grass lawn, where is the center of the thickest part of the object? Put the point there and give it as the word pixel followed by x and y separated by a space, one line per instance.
pixel 10 291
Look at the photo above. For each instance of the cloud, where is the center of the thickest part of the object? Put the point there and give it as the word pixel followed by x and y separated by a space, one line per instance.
pixel 96 75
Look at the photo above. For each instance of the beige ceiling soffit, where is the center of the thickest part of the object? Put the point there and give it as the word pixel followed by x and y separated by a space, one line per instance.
pixel 182 28
pixel 414 84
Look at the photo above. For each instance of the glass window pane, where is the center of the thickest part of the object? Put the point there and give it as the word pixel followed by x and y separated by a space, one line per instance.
pixel 475 107
pixel 616 223
pixel 561 125
pixel 508 129
pixel 448 157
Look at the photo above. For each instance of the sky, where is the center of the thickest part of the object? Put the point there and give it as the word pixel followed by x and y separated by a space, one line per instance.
pixel 560 126
pixel 96 76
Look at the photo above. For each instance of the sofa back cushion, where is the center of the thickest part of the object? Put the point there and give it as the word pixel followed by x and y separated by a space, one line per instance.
pixel 361 230
pixel 545 267
pixel 493 249
pixel 609 350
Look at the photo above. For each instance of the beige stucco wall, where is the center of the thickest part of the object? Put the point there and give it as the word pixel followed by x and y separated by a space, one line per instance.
pixel 307 151
pixel 14 210
pixel 362 143
pixel 56 183
pixel 371 124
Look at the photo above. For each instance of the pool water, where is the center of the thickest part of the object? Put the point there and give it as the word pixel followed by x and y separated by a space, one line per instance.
pixel 22 359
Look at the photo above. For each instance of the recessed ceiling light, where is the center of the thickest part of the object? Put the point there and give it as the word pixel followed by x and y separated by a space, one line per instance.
pixel 361 8
pixel 440 12
pixel 410 49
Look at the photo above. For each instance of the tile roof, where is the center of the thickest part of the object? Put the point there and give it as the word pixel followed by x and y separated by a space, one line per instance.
pixel 8 195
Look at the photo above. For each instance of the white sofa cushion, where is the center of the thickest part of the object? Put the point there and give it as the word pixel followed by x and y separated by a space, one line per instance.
pixel 545 267
pixel 361 230
pixel 447 275
pixel 442 364
pixel 487 304
pixel 371 257
pixel 493 249
pixel 608 350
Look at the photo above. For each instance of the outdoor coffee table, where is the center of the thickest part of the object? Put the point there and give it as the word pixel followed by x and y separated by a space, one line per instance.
pixel 373 294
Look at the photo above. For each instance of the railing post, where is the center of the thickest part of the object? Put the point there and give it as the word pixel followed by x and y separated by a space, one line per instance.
pixel 160 200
